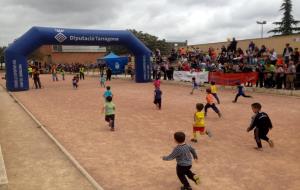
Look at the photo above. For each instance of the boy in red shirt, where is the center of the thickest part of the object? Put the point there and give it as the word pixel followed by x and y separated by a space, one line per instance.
pixel 210 103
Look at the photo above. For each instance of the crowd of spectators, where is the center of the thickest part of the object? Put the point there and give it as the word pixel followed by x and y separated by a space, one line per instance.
pixel 274 70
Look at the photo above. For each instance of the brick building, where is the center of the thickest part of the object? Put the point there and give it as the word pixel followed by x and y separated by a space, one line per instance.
pixel 50 54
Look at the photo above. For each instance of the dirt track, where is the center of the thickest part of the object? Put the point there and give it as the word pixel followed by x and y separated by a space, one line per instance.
pixel 129 158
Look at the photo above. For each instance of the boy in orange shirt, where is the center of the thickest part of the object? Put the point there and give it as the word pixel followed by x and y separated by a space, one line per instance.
pixel 210 103
pixel 198 125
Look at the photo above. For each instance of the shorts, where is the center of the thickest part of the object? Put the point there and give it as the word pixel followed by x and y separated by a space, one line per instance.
pixel 157 101
pixel 200 129
pixel 109 118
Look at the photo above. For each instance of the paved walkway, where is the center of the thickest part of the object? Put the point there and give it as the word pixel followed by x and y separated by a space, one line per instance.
pixel 32 160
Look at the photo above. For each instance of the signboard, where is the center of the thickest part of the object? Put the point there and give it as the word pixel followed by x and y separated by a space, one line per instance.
pixel 201 77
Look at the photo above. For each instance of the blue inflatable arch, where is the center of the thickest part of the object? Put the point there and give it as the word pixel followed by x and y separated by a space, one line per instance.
pixel 16 54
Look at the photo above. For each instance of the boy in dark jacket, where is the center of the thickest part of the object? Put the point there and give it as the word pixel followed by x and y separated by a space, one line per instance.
pixel 261 124
pixel 240 92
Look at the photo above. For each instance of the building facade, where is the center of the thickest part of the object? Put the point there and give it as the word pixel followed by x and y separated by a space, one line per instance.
pixel 57 54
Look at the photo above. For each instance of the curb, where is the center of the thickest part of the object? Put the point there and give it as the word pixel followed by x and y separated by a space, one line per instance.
pixel 3 177
pixel 60 146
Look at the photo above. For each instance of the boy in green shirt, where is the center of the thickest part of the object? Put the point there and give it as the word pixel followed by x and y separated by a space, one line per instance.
pixel 109 110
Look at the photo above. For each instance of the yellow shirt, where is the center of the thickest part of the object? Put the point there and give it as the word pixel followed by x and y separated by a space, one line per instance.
pixel 213 89
pixel 199 119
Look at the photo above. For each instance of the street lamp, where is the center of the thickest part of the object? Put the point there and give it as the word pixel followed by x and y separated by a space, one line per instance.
pixel 262 27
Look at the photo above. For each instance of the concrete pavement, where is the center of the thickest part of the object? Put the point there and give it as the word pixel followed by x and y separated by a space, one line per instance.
pixel 32 160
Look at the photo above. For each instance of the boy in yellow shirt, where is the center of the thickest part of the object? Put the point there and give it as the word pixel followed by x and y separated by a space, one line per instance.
pixel 214 90
pixel 198 125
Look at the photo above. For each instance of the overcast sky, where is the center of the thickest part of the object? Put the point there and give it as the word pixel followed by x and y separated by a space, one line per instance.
pixel 198 21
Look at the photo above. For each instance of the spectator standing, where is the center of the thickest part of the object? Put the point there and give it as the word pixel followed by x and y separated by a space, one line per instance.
pixel 233 45
pixel 36 78
pixel 30 71
pixel 297 83
pixel 81 72
pixel 273 57
pixel 287 53
pixel 279 76
pixel 270 70
pixel 54 73
pixel 296 56
pixel 290 76
pixel 62 71
pixel 108 74
pixel 251 46
pixel 262 51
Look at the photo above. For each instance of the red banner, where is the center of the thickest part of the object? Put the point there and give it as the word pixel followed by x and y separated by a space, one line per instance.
pixel 230 79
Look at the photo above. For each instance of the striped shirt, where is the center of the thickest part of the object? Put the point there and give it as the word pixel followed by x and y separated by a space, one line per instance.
pixel 183 156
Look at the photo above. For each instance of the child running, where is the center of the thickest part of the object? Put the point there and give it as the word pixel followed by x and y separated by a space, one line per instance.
pixel 241 92
pixel 75 81
pixel 210 103
pixel 157 83
pixel 109 109
pixel 107 93
pixel 214 91
pixel 198 125
pixel 157 98
pixel 195 85
pixel 261 124
pixel 102 80
pixel 182 153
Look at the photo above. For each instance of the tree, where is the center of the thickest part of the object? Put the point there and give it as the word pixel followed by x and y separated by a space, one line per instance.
pixel 151 41
pixel 288 24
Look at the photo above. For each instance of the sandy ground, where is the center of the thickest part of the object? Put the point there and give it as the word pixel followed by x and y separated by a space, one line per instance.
pixel 32 160
pixel 129 158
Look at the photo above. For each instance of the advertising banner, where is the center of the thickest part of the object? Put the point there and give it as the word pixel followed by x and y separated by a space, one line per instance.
pixel 201 77
pixel 230 79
